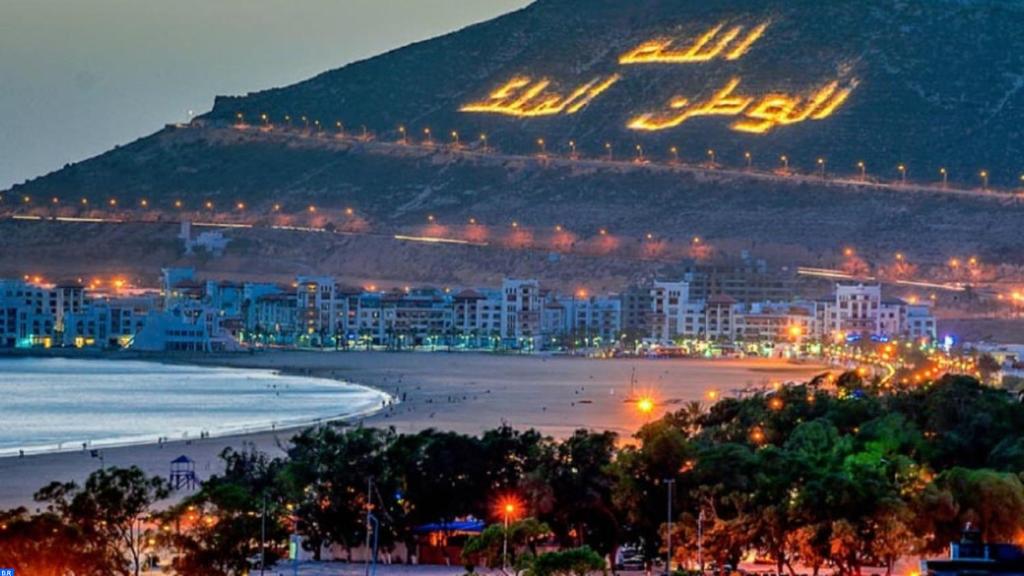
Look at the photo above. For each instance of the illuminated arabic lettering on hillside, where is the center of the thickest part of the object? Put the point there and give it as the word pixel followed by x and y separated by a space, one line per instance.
pixel 523 97
pixel 759 114
pixel 752 113
pixel 728 43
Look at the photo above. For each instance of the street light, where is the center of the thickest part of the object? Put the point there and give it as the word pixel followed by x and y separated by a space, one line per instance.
pixel 639 153
pixel 483 139
pixel 341 128
pixel 945 176
pixel 572 149
pixel 675 154
pixel 455 138
pixel 711 157
pixel 542 146
pixel 509 508
pixel 863 170
pixel 785 162
pixel 401 132
pixel 903 173
pixel 608 148
pixel 984 179
pixel 821 167
pixel 749 158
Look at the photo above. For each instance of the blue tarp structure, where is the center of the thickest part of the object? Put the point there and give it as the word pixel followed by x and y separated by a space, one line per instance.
pixel 470 525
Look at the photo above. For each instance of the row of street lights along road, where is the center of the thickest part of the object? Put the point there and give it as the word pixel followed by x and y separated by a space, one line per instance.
pixel 639 156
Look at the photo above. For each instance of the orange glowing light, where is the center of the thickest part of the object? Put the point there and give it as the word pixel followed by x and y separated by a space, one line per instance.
pixel 509 507
pixel 757 436
pixel 759 115
pixel 716 42
pixel 525 98
pixel 645 405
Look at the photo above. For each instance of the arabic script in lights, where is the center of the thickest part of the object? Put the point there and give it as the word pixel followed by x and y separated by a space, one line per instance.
pixel 759 114
pixel 526 98
pixel 728 43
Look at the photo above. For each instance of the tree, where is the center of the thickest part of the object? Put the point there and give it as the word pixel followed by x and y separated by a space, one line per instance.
pixel 572 492
pixel 44 545
pixel 990 500
pixel 572 562
pixel 217 530
pixel 109 513
pixel 327 476
pixel 488 546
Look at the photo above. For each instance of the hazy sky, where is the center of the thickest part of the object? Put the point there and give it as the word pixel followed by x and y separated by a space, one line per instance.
pixel 79 76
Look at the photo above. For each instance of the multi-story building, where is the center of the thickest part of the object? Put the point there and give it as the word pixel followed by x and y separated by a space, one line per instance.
pixel 857 310
pixel 521 313
pixel 417 317
pixel 636 312
pixel 778 322
pixel 320 311
pixel 26 314
pixel 746 280
pixel 669 302
pixel 720 318
pixel 919 323
pixel 275 319
pixel 596 320
pixel 477 317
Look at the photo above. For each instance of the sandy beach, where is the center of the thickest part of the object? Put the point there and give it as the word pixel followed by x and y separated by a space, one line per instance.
pixel 461 392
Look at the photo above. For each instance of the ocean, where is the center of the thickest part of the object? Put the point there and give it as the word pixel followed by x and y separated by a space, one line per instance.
pixel 57 404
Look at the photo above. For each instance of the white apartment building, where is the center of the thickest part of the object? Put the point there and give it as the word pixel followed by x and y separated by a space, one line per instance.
pixel 668 310
pixel 521 312
pixel 321 313
pixel 857 310
pixel 478 315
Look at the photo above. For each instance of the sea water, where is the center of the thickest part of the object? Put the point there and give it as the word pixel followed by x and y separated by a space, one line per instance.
pixel 51 404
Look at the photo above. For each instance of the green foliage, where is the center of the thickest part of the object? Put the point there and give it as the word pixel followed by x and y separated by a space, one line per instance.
pixel 858 477
pixel 571 562
pixel 101 522
pixel 217 529
pixel 488 546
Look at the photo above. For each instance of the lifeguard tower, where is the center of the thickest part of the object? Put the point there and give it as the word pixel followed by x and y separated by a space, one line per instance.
pixel 183 473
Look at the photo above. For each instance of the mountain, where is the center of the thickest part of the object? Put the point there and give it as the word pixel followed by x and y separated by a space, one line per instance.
pixel 922 84
pixel 938 82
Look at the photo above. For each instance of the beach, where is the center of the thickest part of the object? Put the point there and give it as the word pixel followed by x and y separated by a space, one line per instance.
pixel 461 392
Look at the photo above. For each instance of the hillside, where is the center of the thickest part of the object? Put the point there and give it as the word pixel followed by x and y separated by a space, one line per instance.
pixel 922 83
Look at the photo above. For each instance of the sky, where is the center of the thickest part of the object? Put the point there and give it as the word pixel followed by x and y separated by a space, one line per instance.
pixel 78 77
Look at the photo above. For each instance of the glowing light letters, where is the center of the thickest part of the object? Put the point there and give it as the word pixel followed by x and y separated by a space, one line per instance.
pixel 719 41
pixel 526 98
pixel 759 114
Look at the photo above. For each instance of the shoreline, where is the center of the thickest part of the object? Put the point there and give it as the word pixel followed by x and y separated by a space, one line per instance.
pixel 239 430
pixel 466 393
